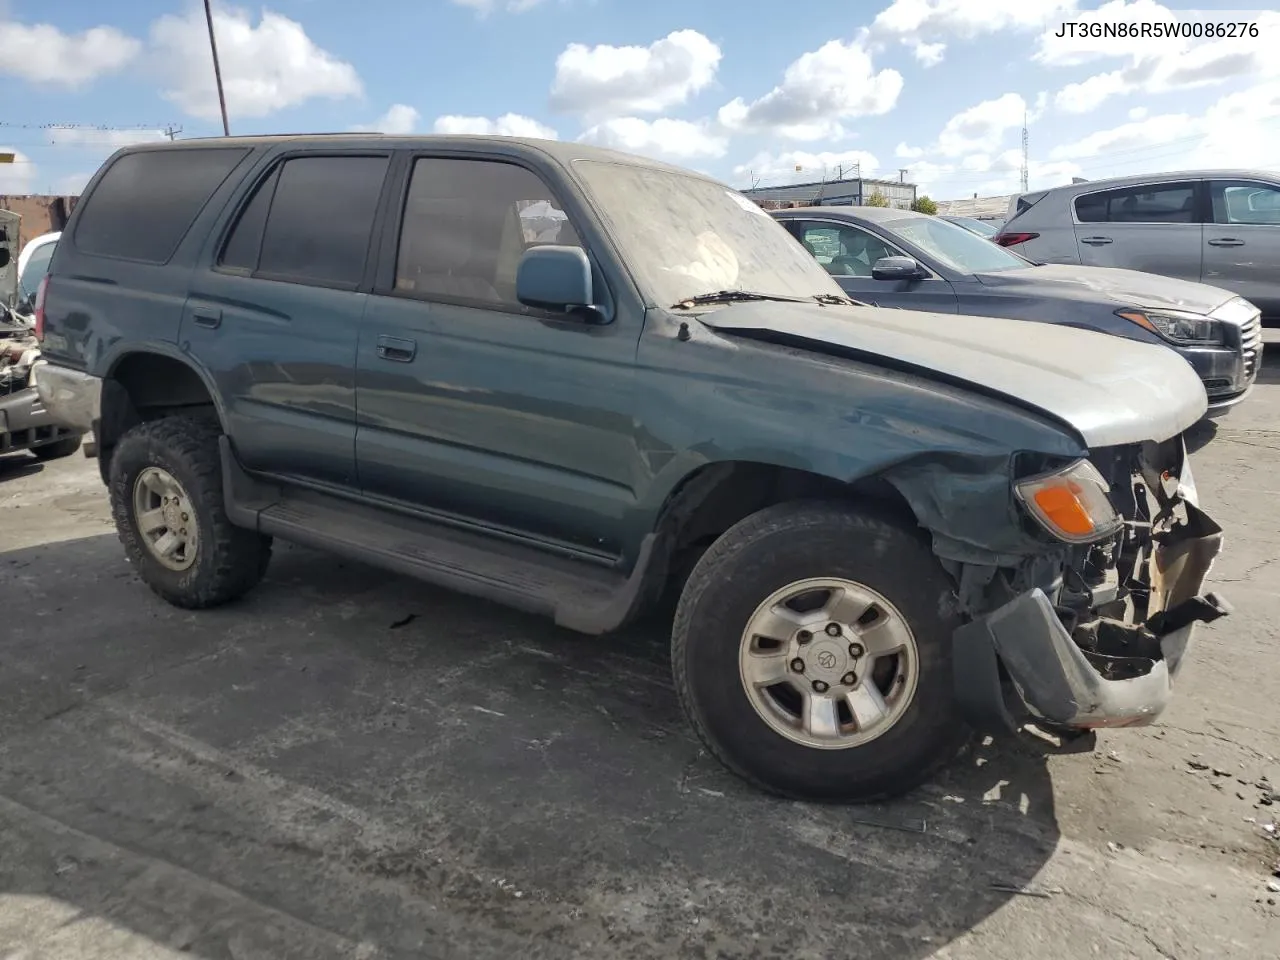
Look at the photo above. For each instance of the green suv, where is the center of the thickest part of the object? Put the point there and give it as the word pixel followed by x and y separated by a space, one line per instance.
pixel 578 382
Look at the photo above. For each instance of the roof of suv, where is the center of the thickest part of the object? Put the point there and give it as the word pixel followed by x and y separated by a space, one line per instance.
pixel 1138 179
pixel 563 151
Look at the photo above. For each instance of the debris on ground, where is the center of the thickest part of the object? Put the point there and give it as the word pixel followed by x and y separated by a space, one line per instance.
pixel 1197 765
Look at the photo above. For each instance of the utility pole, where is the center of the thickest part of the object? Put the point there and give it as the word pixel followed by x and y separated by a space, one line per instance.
pixel 1025 142
pixel 902 175
pixel 171 131
pixel 217 70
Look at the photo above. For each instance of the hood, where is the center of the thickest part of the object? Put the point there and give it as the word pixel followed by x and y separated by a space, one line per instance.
pixel 1126 288
pixel 1111 390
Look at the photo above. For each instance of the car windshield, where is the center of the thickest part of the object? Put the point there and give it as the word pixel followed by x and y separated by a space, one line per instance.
pixel 955 247
pixel 35 268
pixel 684 236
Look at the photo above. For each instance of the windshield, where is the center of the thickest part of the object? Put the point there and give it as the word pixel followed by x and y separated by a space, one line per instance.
pixel 980 227
pixel 36 267
pixel 956 247
pixel 684 236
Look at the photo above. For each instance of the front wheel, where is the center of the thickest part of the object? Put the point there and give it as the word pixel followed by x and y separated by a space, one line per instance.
pixel 58 449
pixel 812 653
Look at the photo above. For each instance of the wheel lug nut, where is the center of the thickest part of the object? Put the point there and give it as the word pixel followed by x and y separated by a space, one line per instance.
pixel 856 650
pixel 804 636
pixel 819 686
pixel 849 679
pixel 797 665
pixel 833 629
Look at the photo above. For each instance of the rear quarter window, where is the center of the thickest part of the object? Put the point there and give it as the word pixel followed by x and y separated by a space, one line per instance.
pixel 146 202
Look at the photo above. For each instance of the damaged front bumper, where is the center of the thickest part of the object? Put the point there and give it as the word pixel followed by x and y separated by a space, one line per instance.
pixel 1115 668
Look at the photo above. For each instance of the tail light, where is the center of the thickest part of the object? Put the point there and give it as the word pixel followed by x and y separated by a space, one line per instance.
pixel 1013 239
pixel 41 292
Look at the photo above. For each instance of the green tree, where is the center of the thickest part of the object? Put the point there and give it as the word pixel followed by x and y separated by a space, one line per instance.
pixel 877 199
pixel 924 204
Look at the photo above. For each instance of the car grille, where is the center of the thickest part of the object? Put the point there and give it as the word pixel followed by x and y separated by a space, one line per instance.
pixel 1251 345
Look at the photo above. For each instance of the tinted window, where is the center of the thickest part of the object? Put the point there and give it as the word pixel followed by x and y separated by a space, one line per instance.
pixel 145 203
pixel 1244 202
pixel 245 242
pixel 321 219
pixel 1172 203
pixel 466 225
pixel 844 251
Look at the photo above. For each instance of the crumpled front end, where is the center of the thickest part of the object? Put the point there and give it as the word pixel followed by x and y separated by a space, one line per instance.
pixel 1101 644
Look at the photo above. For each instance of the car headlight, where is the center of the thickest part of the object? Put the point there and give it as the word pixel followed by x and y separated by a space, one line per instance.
pixel 1176 326
pixel 1071 503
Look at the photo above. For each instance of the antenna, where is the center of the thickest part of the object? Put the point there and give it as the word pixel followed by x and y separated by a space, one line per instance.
pixel 1023 171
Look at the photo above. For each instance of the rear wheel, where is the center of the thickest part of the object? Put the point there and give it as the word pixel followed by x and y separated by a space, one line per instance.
pixel 812 653
pixel 166 498
pixel 58 449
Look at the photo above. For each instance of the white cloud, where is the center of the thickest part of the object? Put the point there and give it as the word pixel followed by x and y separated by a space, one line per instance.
pixel 929 54
pixel 399 120
pixel 1128 137
pixel 910 20
pixel 982 127
pixel 1156 64
pixel 1138 113
pixel 110 139
pixel 73 184
pixel 16 177
pixel 606 81
pixel 265 67
pixel 838 81
pixel 43 54
pixel 801 166
pixel 904 152
pixel 664 137
pixel 507 125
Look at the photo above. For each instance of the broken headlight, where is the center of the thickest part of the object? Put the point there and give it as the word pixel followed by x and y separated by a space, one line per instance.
pixel 1176 326
pixel 1072 503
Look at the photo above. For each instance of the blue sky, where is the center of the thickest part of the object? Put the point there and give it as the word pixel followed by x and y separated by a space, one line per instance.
pixel 938 87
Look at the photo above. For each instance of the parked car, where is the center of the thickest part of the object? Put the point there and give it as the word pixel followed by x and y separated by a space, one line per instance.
pixel 33 264
pixel 1213 226
pixel 354 342
pixel 983 228
pixel 896 258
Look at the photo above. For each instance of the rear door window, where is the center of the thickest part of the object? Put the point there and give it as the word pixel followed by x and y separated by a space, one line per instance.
pixel 1243 202
pixel 146 202
pixel 1153 203
pixel 310 221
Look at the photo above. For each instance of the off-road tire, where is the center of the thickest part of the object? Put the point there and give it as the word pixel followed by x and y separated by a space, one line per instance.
pixel 765 552
pixel 230 560
pixel 58 449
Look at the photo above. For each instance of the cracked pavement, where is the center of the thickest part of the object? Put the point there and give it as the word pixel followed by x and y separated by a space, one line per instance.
pixel 352 765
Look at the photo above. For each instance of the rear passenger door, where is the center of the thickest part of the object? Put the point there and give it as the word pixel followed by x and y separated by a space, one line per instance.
pixel 473 406
pixel 275 309
pixel 1242 243
pixel 1154 227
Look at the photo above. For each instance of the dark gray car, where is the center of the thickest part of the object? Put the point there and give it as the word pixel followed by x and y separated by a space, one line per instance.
pixel 896 258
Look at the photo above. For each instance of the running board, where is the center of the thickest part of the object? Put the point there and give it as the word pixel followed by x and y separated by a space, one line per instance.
pixel 578 595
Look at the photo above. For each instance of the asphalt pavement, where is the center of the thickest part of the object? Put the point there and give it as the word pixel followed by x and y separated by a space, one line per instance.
pixel 348 764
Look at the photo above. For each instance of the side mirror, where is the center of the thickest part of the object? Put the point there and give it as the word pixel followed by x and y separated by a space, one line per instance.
pixel 554 278
pixel 896 268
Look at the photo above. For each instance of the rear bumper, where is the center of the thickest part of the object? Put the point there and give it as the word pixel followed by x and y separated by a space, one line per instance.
pixel 1127 675
pixel 71 397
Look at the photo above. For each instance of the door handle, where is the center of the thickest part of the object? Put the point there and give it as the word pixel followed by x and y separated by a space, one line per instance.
pixel 1226 242
pixel 1095 241
pixel 393 348
pixel 207 317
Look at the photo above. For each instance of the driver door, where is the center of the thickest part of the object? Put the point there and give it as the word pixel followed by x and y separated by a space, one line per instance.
pixel 848 253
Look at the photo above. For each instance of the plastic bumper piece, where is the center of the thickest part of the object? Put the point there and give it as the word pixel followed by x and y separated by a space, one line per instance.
pixel 1126 679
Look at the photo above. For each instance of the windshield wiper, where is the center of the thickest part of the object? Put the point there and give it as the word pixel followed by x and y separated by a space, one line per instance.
pixel 837 300
pixel 731 296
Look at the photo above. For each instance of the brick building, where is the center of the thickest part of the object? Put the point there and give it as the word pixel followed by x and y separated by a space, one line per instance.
pixel 40 214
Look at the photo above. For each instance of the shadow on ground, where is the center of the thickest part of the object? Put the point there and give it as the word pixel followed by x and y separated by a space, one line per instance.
pixel 352 764
pixel 15 465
